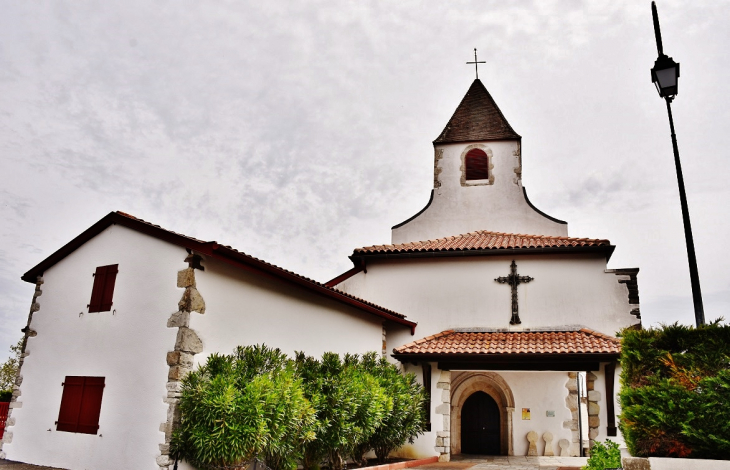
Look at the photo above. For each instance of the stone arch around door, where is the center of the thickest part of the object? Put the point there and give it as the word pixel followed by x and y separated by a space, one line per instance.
pixel 463 385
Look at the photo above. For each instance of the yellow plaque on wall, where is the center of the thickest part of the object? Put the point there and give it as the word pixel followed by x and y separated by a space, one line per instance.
pixel 526 413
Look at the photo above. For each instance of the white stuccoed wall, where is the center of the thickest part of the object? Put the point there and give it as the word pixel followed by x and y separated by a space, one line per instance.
pixel 445 293
pixel 541 392
pixel 128 348
pixel 460 207
pixel 245 308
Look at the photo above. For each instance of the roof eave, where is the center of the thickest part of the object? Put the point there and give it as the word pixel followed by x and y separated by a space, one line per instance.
pixel 524 361
pixel 113 218
pixel 459 141
pixel 605 249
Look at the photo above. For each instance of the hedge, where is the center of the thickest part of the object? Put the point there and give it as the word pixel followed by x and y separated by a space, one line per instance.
pixel 304 412
pixel 675 391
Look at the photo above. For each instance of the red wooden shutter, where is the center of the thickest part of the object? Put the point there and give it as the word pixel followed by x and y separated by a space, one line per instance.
pixel 477 165
pixel 103 290
pixel 108 292
pixel 68 415
pixel 80 404
pixel 91 405
pixel 3 417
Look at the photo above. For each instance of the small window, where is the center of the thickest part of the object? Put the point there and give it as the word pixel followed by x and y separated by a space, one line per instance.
pixel 103 291
pixel 477 165
pixel 80 404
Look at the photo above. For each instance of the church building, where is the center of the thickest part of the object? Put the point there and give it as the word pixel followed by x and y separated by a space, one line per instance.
pixel 503 317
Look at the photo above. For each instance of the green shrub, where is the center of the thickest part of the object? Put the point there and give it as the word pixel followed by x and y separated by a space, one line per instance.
pixel 5 395
pixel 604 456
pixel 349 403
pixel 675 384
pixel 257 402
pixel 240 406
pixel 406 418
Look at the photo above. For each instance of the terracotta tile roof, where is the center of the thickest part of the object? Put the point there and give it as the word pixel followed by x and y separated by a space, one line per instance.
pixel 449 342
pixel 477 118
pixel 214 249
pixel 484 240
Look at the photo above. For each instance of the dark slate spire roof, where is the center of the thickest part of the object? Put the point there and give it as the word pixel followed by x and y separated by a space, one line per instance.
pixel 477 118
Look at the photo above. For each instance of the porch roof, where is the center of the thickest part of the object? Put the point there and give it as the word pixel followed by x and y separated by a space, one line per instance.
pixel 580 349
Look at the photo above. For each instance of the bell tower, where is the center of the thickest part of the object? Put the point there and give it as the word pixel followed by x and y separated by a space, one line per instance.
pixel 477 179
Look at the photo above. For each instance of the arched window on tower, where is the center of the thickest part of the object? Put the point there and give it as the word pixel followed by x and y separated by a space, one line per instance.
pixel 477 165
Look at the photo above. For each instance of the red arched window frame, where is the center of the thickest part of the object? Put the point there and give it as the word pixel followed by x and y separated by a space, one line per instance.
pixel 477 165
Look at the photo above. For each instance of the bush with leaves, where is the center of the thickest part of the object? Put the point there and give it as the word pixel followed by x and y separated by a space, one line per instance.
pixel 349 403
pixel 406 418
pixel 239 406
pixel 675 385
pixel 604 456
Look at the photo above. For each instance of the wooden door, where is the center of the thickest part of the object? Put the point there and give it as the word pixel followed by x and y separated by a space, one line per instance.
pixel 480 425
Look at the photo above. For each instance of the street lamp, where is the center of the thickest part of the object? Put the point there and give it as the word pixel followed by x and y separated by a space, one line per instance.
pixel 665 75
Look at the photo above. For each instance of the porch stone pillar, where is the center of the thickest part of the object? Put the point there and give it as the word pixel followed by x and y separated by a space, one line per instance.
pixel 443 438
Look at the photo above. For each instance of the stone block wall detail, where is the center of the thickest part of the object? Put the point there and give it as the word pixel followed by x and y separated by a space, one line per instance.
pixel 518 169
pixel 180 359
pixel 438 155
pixel 443 438
pixel 572 402
pixel 25 352
pixel 594 397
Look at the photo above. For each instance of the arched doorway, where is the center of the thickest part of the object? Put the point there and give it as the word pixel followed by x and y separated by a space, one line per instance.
pixel 480 425
pixel 464 384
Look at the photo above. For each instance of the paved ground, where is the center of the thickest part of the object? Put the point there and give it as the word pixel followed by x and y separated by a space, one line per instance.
pixel 463 462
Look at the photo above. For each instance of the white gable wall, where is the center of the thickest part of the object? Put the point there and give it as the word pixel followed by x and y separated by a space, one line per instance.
pixel 460 292
pixel 127 347
pixel 244 307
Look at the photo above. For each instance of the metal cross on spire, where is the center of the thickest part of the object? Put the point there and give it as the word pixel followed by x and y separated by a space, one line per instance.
pixel 476 63
pixel 514 280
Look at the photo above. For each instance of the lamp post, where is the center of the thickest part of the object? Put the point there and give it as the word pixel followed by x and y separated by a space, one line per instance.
pixel 665 75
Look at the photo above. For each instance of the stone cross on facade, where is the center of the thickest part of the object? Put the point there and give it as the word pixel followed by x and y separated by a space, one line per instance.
pixel 514 280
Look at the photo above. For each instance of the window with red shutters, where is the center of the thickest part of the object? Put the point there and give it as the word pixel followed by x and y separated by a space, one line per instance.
pixel 103 290
pixel 80 404
pixel 477 165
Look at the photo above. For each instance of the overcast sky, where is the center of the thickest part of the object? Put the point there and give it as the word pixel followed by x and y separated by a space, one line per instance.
pixel 297 131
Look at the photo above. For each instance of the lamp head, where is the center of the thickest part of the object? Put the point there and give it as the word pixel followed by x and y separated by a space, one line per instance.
pixel 665 76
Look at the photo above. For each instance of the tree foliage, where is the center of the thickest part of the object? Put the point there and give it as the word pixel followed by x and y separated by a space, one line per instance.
pixel 9 369
pixel 675 385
